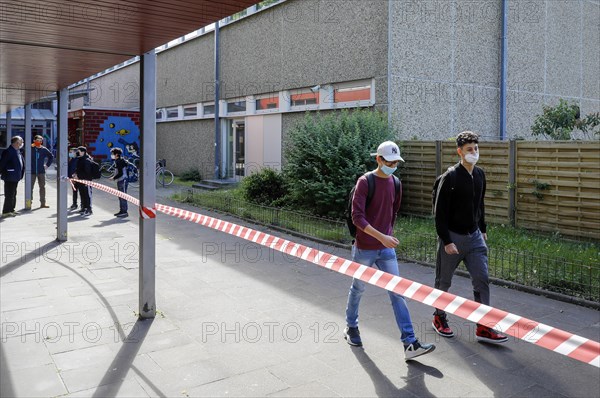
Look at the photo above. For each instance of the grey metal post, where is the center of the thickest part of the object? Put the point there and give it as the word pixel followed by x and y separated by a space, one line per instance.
pixel 61 161
pixel 512 182
pixel 217 110
pixel 503 69
pixel 147 229
pixel 8 127
pixel 438 158
pixel 27 147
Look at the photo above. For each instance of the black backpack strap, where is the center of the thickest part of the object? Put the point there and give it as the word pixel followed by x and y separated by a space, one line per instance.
pixel 396 185
pixel 371 188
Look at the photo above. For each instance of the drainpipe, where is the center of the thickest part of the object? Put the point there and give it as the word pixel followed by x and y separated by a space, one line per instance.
pixel 217 111
pixel 503 69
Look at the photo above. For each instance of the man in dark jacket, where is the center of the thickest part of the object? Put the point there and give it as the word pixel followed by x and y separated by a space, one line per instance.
pixel 121 177
pixel 84 172
pixel 12 169
pixel 461 228
pixel 72 168
pixel 41 159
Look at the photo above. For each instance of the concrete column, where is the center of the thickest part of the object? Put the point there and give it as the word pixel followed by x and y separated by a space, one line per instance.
pixel 28 154
pixel 62 158
pixel 147 229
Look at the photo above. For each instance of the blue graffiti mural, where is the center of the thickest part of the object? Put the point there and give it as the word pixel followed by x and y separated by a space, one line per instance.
pixel 118 131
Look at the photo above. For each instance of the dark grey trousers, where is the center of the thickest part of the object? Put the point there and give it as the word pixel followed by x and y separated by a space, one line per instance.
pixel 473 251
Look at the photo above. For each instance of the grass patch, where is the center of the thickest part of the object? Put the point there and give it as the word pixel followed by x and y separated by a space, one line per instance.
pixel 526 257
pixel 185 183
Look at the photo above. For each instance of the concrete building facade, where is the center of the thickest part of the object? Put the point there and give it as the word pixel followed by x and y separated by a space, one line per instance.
pixel 434 66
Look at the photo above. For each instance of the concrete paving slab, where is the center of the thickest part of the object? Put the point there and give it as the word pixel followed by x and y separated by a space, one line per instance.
pixel 212 333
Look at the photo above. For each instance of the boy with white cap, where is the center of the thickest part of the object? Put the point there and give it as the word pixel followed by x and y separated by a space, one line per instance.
pixel 375 243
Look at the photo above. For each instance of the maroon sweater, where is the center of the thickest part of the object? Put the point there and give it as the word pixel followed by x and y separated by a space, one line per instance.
pixel 381 213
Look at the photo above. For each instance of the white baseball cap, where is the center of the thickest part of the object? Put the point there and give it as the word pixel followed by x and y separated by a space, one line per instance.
pixel 389 151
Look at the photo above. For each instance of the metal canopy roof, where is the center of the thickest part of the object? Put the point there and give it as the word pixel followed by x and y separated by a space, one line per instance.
pixel 45 45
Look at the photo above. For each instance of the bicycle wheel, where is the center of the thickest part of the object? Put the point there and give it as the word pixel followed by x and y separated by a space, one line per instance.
pixel 134 175
pixel 164 177
pixel 106 170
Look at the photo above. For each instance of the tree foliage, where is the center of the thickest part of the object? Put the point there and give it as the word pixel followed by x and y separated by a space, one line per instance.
pixel 560 121
pixel 326 154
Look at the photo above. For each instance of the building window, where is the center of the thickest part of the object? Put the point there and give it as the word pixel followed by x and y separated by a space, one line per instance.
pixel 172 113
pixel 190 111
pixel 209 110
pixel 352 93
pixel 159 114
pixel 271 102
pixel 303 99
pixel 236 106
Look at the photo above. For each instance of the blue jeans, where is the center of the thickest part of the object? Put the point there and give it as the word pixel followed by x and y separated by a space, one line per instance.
pixel 122 186
pixel 386 261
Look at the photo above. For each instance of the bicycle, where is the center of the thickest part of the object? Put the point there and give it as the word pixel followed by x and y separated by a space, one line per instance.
pixel 163 176
pixel 107 169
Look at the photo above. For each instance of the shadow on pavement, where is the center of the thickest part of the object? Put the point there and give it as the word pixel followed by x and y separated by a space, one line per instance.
pixel 25 258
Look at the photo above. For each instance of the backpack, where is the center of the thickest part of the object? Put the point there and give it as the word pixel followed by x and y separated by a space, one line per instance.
pixel 94 170
pixel 371 191
pixel 436 185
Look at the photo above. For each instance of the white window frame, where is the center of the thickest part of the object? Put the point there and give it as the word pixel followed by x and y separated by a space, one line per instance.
pixel 272 110
pixel 239 113
pixel 190 106
pixel 162 113
pixel 205 115
pixel 355 84
pixel 303 107
pixel 172 108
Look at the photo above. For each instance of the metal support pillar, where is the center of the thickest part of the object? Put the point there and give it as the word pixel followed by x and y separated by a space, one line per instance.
pixel 8 127
pixel 217 108
pixel 62 160
pixel 147 226
pixel 27 146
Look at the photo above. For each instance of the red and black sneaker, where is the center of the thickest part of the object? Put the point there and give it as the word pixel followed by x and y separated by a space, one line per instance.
pixel 440 325
pixel 488 335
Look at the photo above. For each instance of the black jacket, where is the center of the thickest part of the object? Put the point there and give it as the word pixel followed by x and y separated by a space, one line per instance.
pixel 460 208
pixel 12 165
pixel 84 168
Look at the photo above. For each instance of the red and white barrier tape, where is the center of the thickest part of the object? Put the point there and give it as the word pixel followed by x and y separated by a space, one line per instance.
pixel 551 338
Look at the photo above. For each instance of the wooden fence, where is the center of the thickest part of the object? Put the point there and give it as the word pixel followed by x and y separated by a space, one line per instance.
pixel 551 186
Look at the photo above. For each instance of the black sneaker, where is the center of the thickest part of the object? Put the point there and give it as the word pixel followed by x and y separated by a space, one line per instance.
pixel 73 207
pixel 440 325
pixel 117 214
pixel 121 215
pixel 417 349
pixel 352 336
pixel 87 212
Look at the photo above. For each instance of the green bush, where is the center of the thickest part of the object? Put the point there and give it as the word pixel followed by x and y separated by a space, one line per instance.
pixel 266 187
pixel 191 175
pixel 560 121
pixel 326 154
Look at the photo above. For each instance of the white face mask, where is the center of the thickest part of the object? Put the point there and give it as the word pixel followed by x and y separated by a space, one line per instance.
pixel 472 158
pixel 113 157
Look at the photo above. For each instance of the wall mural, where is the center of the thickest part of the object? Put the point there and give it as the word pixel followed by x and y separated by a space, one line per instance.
pixel 118 132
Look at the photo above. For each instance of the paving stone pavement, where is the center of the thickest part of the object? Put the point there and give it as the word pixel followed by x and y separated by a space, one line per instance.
pixel 237 319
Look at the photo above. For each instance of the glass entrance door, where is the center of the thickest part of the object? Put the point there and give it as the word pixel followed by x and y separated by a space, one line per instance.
pixel 240 148
pixel 234 149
